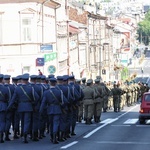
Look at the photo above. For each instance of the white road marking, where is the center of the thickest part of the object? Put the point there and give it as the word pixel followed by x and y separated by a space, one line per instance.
pixel 108 121
pixel 121 142
pixel 123 125
pixel 98 128
pixel 69 145
pixel 131 121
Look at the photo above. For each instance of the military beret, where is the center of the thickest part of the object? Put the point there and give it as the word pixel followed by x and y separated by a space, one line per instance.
pixel 1 76
pixel 71 77
pixel 89 81
pixel 25 77
pixel 98 77
pixel 65 77
pixel 83 79
pixel 18 77
pixel 60 78
pixel 53 80
pixel 78 80
pixel 43 77
pixel 97 80
pixel 14 78
pixel 51 76
pixel 6 77
pixel 33 77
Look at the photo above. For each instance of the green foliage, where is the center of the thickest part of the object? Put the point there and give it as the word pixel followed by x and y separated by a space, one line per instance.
pixel 144 29
pixel 124 73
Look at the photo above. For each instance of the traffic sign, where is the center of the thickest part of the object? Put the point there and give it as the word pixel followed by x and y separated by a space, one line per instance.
pixel 51 69
pixel 40 62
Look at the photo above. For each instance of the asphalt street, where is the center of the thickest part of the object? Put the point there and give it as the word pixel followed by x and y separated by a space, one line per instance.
pixel 116 131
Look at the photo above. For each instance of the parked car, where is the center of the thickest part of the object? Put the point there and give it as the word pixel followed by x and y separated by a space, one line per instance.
pixel 144 112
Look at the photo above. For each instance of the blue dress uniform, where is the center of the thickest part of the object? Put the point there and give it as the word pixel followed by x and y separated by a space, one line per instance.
pixel 9 114
pixel 70 109
pixel 3 108
pixel 63 118
pixel 16 117
pixel 26 98
pixel 53 99
pixel 43 116
pixel 35 117
pixel 78 95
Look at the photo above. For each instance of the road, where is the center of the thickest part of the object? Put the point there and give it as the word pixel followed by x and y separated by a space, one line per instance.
pixel 116 131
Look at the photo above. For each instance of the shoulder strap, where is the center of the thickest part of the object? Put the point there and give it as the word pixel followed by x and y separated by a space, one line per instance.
pixel 25 93
pixel 1 94
pixel 56 97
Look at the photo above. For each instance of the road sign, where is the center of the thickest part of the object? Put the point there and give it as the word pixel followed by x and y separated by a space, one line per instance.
pixel 51 69
pixel 46 47
pixel 40 62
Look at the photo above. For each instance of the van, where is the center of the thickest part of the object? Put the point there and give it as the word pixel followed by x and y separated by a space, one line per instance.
pixel 144 112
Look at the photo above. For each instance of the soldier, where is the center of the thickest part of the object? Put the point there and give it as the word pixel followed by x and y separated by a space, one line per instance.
pixel 10 114
pixel 26 98
pixel 3 108
pixel 35 117
pixel 80 107
pixel 63 117
pixel 88 101
pixel 116 92
pixel 53 100
pixel 43 117
pixel 78 95
pixel 98 101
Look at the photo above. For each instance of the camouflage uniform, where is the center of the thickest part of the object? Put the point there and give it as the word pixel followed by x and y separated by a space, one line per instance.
pixel 88 101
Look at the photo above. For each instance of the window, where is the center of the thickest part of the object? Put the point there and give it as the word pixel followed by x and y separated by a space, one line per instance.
pixel 26 29
pixel 147 97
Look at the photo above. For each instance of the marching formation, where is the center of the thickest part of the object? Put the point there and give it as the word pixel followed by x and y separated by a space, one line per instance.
pixel 35 104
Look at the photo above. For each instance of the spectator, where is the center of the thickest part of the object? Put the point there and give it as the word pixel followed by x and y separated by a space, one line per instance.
pixel 40 73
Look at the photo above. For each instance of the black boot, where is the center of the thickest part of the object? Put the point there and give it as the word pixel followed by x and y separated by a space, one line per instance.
pixel 51 137
pixel 55 139
pixel 73 133
pixel 61 139
pixel 25 138
pixel 1 137
pixel 35 136
pixel 7 136
pixel 15 135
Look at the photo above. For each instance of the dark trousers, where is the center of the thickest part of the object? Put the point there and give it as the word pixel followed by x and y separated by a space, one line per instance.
pixel 25 121
pixel 2 121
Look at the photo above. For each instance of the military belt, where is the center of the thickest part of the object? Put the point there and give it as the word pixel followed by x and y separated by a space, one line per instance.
pixel 53 104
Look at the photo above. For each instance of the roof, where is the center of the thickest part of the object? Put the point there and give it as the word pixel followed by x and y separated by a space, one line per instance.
pixel 48 3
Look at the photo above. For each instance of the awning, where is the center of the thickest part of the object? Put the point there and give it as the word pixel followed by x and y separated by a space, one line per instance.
pixel 48 3
pixel 73 30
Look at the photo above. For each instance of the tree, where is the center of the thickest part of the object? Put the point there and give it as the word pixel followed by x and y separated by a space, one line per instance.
pixel 144 29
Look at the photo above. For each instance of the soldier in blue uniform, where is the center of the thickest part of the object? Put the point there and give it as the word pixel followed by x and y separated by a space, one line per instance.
pixel 35 117
pixel 3 108
pixel 43 116
pixel 16 117
pixel 10 114
pixel 78 95
pixel 53 100
pixel 26 98
pixel 63 118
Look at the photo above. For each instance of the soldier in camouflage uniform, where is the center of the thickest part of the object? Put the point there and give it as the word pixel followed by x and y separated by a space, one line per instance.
pixel 88 101
pixel 98 101
pixel 116 92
